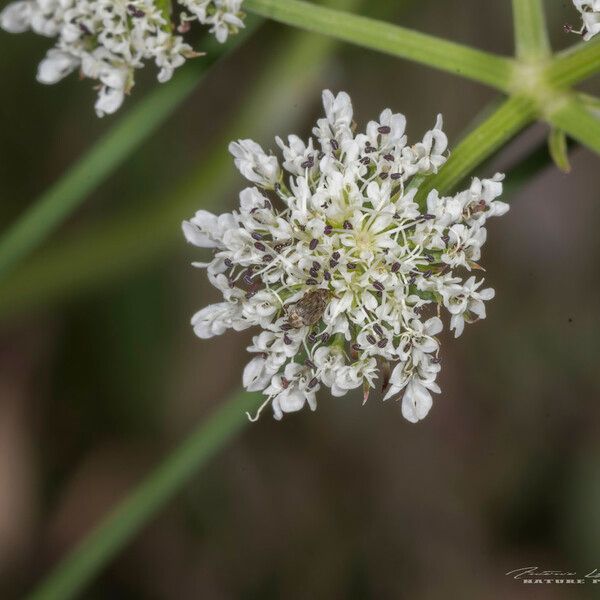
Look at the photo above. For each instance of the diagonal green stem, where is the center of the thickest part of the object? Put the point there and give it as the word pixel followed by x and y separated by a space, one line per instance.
pixel 123 523
pixel 575 64
pixel 577 121
pixel 505 122
pixel 429 50
pixel 50 210
pixel 531 34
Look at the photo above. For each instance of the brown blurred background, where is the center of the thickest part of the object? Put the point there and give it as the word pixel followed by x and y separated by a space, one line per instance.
pixel 100 378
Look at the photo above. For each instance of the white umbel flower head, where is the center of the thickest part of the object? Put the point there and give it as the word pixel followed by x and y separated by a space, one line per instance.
pixel 107 40
pixel 344 271
pixel 590 14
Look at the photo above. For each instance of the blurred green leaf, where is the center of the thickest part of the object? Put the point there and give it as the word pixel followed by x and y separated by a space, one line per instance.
pixel 531 34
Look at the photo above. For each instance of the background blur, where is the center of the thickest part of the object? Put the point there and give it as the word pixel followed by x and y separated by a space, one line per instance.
pixel 100 374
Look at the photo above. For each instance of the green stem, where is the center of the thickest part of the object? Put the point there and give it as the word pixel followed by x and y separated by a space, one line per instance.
pixel 575 64
pixel 531 34
pixel 578 122
pixel 139 507
pixel 506 121
pixel 429 50
pixel 50 210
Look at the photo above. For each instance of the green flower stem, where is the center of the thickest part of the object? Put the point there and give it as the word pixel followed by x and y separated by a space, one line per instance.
pixel 391 39
pixel 578 122
pixel 50 210
pixel 531 34
pixel 506 121
pixel 139 507
pixel 575 64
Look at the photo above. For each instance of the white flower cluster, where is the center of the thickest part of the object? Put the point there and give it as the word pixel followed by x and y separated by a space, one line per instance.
pixel 108 39
pixel 343 271
pixel 590 13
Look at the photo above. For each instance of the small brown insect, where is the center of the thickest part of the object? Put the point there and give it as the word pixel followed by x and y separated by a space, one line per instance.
pixel 309 309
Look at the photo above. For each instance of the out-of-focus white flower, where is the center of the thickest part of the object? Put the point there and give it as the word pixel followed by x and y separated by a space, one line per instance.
pixel 330 255
pixel 590 14
pixel 109 40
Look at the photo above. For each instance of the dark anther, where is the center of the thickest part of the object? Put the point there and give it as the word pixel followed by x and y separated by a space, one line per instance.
pixel 333 263
pixel 395 267
pixel 436 360
pixel 284 383
pixel 412 279
pixel 365 160
pixel 309 363
pixel 378 329
pixel 445 239
pixel 351 266
pixel 429 257
pixel 378 286
pixel 316 265
pixel 312 382
pixel 328 229
pixel 321 155
pixel 383 175
pixel 347 225
pixel 325 337
pixel 382 343
pixel 427 274
pixel 395 176
pixel 267 258
pixel 248 279
pixel 260 246
pixel 311 281
pixel 371 339
pixel 228 263
pixel 286 327
pixel 384 129
pixel 428 216
pixel 257 236
pixel 356 347
pixel 311 337
pixel 286 339
pixel 336 255
pixel 370 149
pixel 313 272
pixel 307 164
pixel 389 157
pixel 327 275
pixel 334 144
pixel 313 243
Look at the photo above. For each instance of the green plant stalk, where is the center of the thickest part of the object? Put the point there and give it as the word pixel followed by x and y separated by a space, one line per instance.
pixel 531 34
pixel 391 39
pixel 505 122
pixel 574 65
pixel 557 146
pixel 123 523
pixel 50 210
pixel 575 119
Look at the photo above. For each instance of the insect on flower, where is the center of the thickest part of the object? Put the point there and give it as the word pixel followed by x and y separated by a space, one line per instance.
pixel 309 309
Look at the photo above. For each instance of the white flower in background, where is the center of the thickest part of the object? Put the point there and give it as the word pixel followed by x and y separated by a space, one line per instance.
pixel 590 13
pixel 108 40
pixel 345 274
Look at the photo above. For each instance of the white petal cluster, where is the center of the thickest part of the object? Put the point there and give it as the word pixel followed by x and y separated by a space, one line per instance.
pixel 343 272
pixel 590 13
pixel 107 40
